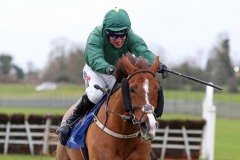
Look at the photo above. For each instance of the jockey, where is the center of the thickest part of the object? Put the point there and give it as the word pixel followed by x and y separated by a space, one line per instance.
pixel 105 46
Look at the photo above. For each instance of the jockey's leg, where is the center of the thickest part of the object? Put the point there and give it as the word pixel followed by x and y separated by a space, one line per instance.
pixel 83 105
pixel 88 101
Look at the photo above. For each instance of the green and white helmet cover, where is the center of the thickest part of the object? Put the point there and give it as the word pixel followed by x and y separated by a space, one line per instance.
pixel 116 20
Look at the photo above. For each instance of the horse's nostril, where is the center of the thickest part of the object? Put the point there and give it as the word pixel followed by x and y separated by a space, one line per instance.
pixel 144 125
pixel 156 124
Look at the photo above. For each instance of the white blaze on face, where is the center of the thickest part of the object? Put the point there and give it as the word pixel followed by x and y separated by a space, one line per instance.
pixel 151 118
pixel 146 89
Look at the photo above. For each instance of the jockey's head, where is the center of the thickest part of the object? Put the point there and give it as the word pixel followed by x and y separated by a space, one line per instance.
pixel 116 24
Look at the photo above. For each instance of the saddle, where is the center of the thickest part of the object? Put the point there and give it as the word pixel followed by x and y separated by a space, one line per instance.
pixel 79 130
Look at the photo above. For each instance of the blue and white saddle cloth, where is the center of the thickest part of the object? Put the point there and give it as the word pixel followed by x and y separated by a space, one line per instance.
pixel 79 130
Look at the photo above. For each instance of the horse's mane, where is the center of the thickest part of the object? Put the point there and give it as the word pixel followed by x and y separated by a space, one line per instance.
pixel 138 62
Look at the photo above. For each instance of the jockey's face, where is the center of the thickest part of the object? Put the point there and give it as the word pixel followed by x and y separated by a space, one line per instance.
pixel 117 42
pixel 117 38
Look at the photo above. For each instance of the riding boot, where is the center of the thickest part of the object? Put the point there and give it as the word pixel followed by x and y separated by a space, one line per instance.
pixel 83 105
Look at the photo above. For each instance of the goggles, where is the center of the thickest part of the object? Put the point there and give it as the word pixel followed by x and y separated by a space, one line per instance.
pixel 116 35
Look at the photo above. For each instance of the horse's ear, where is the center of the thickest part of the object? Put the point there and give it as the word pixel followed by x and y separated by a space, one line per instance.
pixel 128 66
pixel 155 65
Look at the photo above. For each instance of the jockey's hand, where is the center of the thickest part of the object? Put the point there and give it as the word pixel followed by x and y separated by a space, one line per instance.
pixel 111 71
pixel 163 69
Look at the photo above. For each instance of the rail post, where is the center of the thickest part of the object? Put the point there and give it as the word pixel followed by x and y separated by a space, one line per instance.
pixel 209 114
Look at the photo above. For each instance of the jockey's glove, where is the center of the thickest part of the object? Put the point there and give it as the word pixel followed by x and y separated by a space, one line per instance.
pixel 163 69
pixel 111 70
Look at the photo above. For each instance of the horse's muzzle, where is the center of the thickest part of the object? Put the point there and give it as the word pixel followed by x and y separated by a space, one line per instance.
pixel 147 131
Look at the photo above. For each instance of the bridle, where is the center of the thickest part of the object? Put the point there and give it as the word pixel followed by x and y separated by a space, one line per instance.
pixel 128 107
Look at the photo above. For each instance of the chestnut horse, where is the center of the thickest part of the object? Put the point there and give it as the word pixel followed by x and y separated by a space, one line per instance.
pixel 125 124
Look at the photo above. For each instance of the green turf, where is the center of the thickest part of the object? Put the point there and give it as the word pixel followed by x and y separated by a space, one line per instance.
pixel 227 139
pixel 70 90
pixel 35 110
pixel 28 91
pixel 25 157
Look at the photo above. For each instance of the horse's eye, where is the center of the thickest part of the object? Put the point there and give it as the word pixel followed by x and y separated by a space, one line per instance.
pixel 131 89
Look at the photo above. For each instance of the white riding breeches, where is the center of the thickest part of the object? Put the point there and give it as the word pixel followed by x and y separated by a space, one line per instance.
pixel 91 78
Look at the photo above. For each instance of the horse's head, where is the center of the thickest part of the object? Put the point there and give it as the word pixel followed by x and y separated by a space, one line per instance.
pixel 140 91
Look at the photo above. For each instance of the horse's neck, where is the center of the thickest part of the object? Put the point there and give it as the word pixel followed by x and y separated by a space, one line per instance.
pixel 114 121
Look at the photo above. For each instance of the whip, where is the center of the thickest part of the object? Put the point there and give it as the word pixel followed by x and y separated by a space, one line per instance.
pixel 193 78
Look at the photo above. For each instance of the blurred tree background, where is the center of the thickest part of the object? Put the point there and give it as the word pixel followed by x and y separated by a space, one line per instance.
pixel 66 61
pixel 219 70
pixel 9 72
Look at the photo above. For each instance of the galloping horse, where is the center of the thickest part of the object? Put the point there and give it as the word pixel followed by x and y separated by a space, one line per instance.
pixel 125 124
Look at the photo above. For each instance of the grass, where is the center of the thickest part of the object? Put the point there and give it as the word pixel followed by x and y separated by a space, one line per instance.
pixel 28 91
pixel 70 90
pixel 227 139
pixel 222 96
pixel 25 157
pixel 35 110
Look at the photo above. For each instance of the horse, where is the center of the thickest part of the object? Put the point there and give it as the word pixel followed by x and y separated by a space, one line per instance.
pixel 125 123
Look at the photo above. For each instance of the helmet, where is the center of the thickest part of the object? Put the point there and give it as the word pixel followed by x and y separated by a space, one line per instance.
pixel 116 20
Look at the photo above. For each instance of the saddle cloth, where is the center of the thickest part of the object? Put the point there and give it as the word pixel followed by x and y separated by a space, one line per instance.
pixel 79 130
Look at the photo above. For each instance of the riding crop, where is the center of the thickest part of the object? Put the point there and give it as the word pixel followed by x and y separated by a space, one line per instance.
pixel 193 78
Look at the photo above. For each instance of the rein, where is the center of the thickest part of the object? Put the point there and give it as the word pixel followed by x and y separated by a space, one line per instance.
pixel 131 117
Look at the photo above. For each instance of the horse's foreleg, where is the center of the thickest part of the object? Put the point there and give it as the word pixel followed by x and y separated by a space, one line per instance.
pixel 61 152
pixel 74 154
